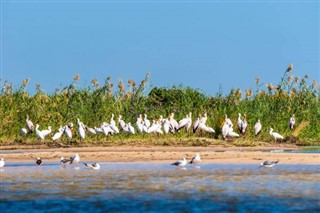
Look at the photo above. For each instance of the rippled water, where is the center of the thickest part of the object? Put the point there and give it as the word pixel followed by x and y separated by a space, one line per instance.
pixel 159 187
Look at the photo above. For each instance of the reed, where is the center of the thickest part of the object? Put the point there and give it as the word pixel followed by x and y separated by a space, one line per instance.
pixel 273 104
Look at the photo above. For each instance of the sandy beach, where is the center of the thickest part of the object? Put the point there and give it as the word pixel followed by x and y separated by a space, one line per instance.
pixel 214 154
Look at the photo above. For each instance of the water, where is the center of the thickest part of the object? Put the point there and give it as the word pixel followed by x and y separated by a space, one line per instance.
pixel 159 187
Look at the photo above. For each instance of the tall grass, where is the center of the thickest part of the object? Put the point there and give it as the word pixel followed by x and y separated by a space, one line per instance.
pixel 272 104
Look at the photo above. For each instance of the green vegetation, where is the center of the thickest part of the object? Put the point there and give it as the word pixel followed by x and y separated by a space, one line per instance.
pixel 273 105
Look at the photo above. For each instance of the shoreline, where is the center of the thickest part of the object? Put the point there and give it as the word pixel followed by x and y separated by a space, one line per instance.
pixel 210 154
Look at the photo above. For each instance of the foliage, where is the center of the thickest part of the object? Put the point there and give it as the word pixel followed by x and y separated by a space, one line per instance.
pixel 95 104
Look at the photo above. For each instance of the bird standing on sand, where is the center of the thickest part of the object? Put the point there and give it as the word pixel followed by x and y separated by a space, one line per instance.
pixel 269 163
pixel 38 161
pixel 275 135
pixel 95 166
pixel 196 159
pixel 180 163
pixel 2 162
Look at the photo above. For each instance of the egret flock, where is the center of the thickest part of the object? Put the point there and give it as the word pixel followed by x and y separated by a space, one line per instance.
pixel 144 125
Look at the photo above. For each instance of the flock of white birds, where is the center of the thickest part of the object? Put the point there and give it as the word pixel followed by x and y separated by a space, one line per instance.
pixel 143 125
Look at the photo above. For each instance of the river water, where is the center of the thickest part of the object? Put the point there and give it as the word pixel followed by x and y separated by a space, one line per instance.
pixel 160 187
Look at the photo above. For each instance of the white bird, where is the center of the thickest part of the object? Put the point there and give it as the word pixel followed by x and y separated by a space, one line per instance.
pixel 180 163
pixel 64 161
pixel 58 134
pixel 91 130
pixel 81 129
pixel 68 131
pixel 244 124
pixel 23 131
pixel 275 135
pixel 75 159
pixel 121 122
pixel 139 124
pixel 196 125
pixel 231 133
pixel 257 127
pixel 225 130
pixel 204 118
pixel 106 129
pixel 239 123
pixel 113 125
pixel 39 133
pixel 196 159
pixel 166 125
pixel 95 166
pixel 268 163
pixel 174 124
pixel 2 162
pixel 292 121
pixel 46 132
pixel 98 130
pixel 29 124
pixel 146 121
pixel 130 128
pixel 228 121
pixel 185 122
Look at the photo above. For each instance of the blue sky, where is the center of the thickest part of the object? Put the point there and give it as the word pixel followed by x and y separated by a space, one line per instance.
pixel 198 44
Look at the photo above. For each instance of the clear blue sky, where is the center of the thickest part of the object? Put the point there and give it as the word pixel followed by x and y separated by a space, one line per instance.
pixel 197 44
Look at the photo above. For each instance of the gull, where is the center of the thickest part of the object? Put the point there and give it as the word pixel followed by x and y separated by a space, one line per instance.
pixel 268 163
pixel 38 161
pixel 29 124
pixel 275 135
pixel 75 159
pixel 257 127
pixel 64 161
pixel 95 166
pixel 292 121
pixel 196 159
pixel 180 163
pixel 23 131
pixel 2 162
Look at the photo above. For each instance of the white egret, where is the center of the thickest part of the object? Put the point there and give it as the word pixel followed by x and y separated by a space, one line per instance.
pixel 29 124
pixel 275 135
pixel 81 129
pixel 46 132
pixel 147 123
pixel 292 121
pixel 257 127
pixel 239 123
pixel 68 131
pixel 130 128
pixel 180 163
pixel 225 130
pixel 121 122
pixel 39 133
pixel 166 125
pixel 58 134
pixel 139 124
pixel 113 125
